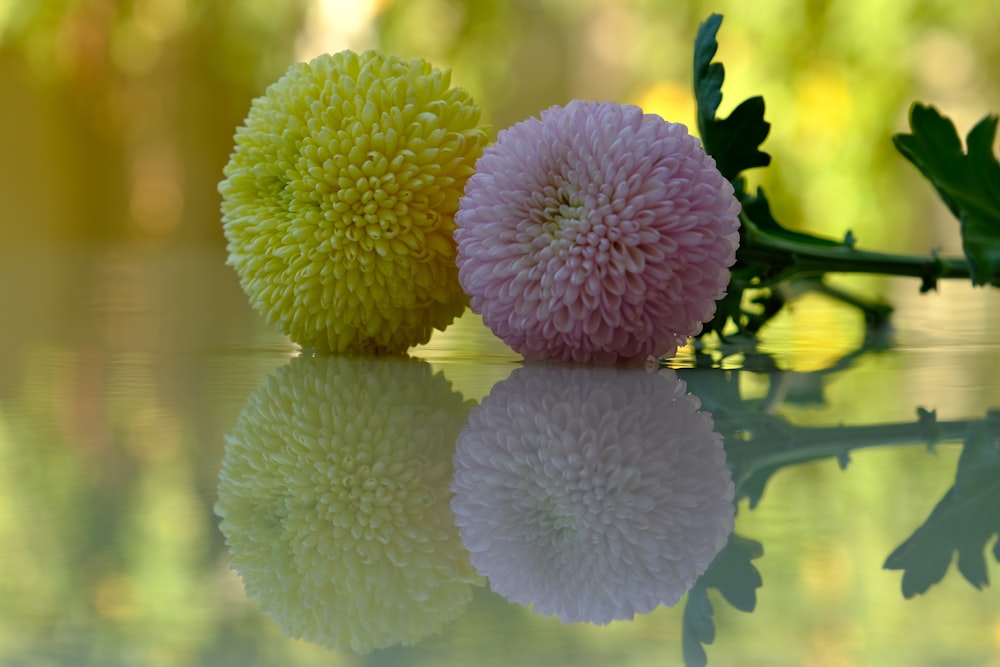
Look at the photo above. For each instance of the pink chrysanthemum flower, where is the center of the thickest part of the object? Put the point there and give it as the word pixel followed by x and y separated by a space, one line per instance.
pixel 595 493
pixel 596 233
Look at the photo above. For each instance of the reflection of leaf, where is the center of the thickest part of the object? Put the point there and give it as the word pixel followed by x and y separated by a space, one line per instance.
pixel 969 183
pixel 732 141
pixel 699 628
pixel 718 391
pixel 963 522
pixel 734 575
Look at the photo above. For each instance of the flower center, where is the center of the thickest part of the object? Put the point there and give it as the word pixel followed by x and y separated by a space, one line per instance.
pixel 583 231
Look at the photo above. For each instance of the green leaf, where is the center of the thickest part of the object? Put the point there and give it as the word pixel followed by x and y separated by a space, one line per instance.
pixel 708 76
pixel 733 142
pixel 968 183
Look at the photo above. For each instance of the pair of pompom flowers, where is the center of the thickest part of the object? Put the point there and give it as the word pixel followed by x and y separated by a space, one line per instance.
pixel 364 207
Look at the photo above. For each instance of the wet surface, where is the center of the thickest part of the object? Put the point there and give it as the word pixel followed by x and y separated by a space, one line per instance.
pixel 180 486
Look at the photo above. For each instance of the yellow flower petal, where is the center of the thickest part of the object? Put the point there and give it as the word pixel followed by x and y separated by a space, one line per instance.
pixel 339 199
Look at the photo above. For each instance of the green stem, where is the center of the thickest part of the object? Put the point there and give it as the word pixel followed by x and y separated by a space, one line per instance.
pixel 806 258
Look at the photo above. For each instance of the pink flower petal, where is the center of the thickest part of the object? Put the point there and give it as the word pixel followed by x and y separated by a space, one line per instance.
pixel 596 233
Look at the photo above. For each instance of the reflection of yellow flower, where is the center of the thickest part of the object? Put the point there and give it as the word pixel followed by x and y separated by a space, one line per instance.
pixel 334 498
pixel 595 493
pixel 339 201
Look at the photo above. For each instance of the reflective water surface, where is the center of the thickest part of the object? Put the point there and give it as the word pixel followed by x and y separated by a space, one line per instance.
pixel 180 486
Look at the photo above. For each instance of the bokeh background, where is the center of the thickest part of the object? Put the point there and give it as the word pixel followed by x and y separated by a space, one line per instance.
pixel 118 115
pixel 127 349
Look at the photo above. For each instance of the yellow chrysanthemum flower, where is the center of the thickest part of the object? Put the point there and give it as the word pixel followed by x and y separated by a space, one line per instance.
pixel 339 199
pixel 334 499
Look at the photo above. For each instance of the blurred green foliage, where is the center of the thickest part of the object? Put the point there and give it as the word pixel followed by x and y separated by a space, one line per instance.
pixel 132 105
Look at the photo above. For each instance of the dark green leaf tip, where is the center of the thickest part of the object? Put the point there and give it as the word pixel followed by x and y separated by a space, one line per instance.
pixel 708 76
pixel 732 141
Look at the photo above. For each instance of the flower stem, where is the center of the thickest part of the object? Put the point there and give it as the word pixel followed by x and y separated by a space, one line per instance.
pixel 796 257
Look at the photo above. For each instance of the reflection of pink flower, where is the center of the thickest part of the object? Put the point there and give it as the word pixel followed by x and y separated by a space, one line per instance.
pixel 596 233
pixel 595 493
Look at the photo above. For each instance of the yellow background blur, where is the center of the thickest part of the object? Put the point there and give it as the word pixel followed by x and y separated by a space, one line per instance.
pixel 118 116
